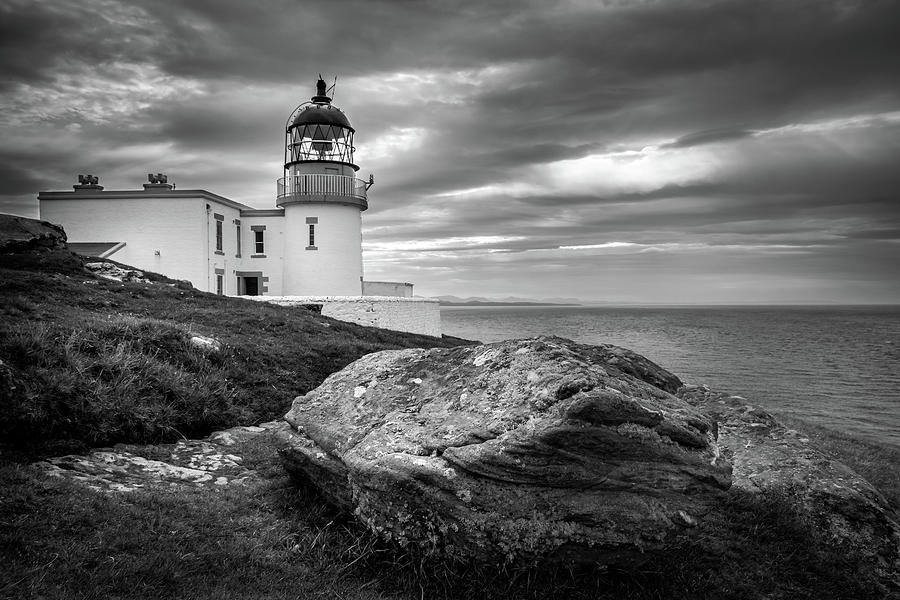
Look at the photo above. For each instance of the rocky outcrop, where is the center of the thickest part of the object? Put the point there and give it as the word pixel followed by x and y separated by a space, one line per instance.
pixel 113 272
pixel 516 450
pixel 193 463
pixel 844 510
pixel 30 243
pixel 18 234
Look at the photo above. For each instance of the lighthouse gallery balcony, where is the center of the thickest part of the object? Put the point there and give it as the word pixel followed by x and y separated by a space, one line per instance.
pixel 340 189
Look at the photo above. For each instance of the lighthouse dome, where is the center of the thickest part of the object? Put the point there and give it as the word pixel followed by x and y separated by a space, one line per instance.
pixel 318 132
pixel 321 114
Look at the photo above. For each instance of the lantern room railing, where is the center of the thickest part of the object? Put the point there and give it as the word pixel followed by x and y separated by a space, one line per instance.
pixel 321 185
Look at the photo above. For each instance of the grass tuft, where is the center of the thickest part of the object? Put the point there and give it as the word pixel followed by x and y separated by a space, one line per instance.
pixel 122 380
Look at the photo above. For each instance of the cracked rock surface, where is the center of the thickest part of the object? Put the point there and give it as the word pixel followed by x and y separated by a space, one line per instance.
pixel 190 462
pixel 520 449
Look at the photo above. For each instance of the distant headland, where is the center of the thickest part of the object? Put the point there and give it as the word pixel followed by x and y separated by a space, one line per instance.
pixel 508 301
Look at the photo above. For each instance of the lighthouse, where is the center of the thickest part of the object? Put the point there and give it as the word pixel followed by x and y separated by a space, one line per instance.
pixel 323 201
pixel 307 251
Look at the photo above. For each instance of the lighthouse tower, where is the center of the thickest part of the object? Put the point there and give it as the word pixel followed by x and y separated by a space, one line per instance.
pixel 323 202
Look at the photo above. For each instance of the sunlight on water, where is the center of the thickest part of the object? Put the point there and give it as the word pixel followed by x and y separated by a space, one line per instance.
pixel 836 366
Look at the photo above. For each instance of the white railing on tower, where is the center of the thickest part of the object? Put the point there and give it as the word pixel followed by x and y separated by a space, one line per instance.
pixel 321 185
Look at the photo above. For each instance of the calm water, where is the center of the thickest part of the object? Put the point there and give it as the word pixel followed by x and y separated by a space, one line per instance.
pixel 836 366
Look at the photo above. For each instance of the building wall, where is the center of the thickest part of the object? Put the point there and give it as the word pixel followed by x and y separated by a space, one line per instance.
pixel 173 227
pixel 387 288
pixel 333 266
pixel 271 262
pixel 175 233
pixel 221 262
pixel 413 315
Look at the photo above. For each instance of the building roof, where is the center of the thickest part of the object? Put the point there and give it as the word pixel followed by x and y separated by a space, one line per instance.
pixel 322 114
pixel 141 195
pixel 95 249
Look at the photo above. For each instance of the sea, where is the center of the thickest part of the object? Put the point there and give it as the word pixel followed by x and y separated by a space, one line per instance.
pixel 835 366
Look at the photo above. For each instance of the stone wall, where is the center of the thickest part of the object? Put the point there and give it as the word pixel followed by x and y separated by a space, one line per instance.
pixel 413 315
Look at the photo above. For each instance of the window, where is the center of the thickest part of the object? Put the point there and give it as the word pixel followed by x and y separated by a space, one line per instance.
pixel 219 279
pixel 259 246
pixel 219 220
pixel 238 228
pixel 311 222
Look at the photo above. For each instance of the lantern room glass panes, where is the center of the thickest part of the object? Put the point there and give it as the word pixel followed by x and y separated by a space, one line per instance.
pixel 315 141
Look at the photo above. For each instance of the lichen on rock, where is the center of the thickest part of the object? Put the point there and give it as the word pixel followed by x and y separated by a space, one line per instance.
pixel 521 449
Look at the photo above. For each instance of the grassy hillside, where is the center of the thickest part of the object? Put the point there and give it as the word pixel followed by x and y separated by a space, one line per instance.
pixel 90 362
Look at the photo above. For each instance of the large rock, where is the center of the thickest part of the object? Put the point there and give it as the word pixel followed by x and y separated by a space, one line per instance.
pixel 516 450
pixel 18 234
pixel 845 512
pixel 33 244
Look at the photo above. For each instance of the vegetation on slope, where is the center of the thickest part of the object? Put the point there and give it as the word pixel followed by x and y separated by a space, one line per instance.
pixel 90 362
pixel 271 539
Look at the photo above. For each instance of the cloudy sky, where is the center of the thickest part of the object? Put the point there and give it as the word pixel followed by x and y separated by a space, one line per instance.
pixel 733 151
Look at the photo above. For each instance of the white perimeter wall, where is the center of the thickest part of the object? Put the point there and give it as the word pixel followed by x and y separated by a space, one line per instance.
pixel 413 315
pixel 176 227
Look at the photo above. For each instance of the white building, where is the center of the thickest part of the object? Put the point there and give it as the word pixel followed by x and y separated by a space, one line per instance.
pixel 309 246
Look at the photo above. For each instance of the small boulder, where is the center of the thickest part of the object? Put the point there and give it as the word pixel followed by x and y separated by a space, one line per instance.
pixel 529 449
pixel 206 343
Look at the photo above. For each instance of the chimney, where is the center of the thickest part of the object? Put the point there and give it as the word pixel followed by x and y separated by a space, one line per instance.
pixel 157 182
pixel 88 183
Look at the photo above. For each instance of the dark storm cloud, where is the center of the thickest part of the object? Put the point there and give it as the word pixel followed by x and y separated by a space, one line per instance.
pixel 17 178
pixel 42 39
pixel 763 55
pixel 201 126
pixel 892 233
pixel 490 96
pixel 693 66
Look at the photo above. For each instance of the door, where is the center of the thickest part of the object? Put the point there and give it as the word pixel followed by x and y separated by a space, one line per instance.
pixel 251 286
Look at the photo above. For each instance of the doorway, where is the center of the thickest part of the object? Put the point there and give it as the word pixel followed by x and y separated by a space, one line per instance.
pixel 251 286
pixel 252 283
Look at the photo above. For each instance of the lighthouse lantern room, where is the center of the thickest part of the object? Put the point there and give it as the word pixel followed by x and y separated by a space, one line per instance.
pixel 323 201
